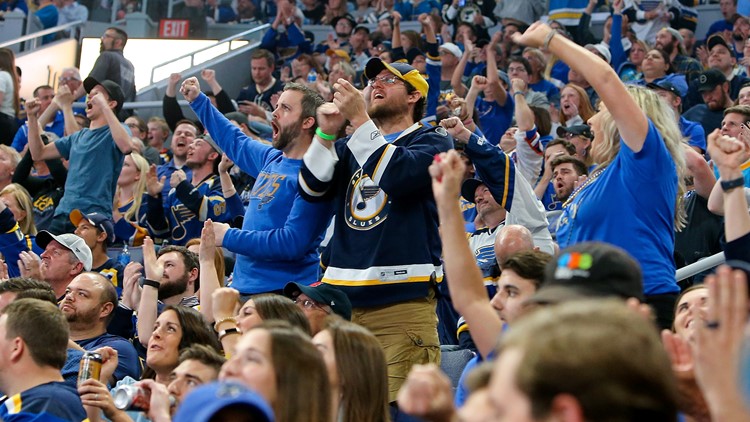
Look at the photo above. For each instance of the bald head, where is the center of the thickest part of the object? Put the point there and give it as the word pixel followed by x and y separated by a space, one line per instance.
pixel 512 239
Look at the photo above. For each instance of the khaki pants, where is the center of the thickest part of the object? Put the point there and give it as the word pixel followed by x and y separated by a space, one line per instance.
pixel 408 333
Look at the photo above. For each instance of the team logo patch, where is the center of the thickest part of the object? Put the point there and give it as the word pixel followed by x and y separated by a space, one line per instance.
pixel 441 131
pixel 481 140
pixel 573 264
pixel 366 204
pixel 374 134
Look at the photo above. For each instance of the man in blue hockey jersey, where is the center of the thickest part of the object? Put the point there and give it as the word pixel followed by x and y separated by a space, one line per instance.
pixel 281 232
pixel 34 341
pixel 385 250
pixel 190 202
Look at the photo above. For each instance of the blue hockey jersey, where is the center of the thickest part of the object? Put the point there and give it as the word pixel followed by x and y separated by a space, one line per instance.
pixel 385 248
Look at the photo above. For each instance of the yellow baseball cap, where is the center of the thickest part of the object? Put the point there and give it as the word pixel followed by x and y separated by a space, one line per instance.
pixel 403 71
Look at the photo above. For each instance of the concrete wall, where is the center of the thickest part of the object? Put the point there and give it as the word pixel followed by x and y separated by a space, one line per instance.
pixel 43 65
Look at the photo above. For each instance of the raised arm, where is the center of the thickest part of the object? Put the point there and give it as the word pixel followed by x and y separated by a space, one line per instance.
pixel 209 280
pixel 462 273
pixel 170 107
pixel 522 111
pixel 457 77
pixel 64 101
pixel 147 307
pixel 729 154
pixel 119 133
pixel 629 118
pixel 39 151
pixel 223 102
pixel 703 178
pixel 498 92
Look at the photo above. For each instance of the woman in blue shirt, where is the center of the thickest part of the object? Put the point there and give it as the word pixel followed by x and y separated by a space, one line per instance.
pixel 632 198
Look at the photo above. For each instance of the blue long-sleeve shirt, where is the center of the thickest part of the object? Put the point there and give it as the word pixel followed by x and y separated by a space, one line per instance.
pixel 13 242
pixel 281 231
pixel 273 40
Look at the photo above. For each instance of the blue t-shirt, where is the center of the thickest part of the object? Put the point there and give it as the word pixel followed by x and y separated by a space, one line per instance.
pixel 55 398
pixel 493 118
pixel 128 363
pixel 631 205
pixel 549 89
pixel 95 162
pixel 694 132
pixel 57 126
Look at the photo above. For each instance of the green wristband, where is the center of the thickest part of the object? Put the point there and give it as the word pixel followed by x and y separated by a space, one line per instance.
pixel 324 136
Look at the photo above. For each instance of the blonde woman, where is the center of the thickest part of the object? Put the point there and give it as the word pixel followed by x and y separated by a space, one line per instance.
pixel 130 202
pixel 17 229
pixel 633 197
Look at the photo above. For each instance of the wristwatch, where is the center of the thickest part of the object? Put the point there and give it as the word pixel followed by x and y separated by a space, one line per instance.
pixel 729 185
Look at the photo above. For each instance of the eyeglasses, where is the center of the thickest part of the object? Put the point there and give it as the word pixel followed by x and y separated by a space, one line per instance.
pixel 131 125
pixel 309 304
pixel 385 80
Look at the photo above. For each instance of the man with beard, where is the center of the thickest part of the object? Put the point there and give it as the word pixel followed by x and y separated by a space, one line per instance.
pixel 170 279
pixel 184 133
pixel 671 41
pixel 385 249
pixel 566 171
pixel 189 203
pixel 714 88
pixel 89 305
pixel 112 65
pixel 281 231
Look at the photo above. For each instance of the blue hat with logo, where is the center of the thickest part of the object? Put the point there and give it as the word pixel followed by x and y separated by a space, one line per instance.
pixel 204 402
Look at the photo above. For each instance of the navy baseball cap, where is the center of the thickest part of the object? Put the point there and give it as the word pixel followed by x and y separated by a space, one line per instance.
pixel 97 220
pixel 710 79
pixel 468 187
pixel 580 130
pixel 665 86
pixel 322 293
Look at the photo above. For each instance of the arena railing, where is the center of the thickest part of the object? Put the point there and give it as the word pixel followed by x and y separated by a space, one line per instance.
pixel 699 266
pixel 219 45
pixel 33 39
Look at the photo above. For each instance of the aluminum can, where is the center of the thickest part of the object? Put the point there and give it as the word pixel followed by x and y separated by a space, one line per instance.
pixel 90 366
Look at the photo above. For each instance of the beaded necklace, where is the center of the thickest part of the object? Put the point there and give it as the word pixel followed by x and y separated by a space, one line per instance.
pixel 589 180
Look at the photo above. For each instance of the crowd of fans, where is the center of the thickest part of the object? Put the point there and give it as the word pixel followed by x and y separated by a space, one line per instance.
pixel 311 247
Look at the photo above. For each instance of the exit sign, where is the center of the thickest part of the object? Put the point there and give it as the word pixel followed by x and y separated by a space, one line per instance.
pixel 174 28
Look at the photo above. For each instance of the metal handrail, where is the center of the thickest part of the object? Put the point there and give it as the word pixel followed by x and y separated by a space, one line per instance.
pixel 194 53
pixel 699 266
pixel 35 35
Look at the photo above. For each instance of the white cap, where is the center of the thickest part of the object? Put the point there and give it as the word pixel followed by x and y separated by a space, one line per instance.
pixel 453 49
pixel 601 49
pixel 71 242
